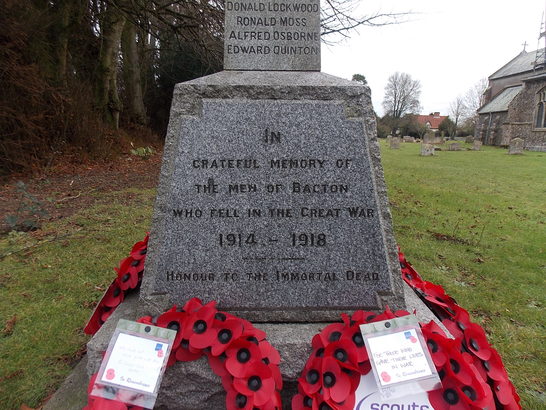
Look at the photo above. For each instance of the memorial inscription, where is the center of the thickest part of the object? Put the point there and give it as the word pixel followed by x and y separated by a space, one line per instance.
pixel 272 35
pixel 272 205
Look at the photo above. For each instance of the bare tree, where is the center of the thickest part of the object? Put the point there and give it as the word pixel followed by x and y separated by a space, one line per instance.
pixel 340 17
pixel 474 97
pixel 401 95
pixel 457 111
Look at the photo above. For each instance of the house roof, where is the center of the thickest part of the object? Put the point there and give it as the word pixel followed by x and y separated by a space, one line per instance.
pixel 522 63
pixel 434 119
pixel 501 101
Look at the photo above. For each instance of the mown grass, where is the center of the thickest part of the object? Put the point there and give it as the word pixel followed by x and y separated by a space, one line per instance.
pixel 48 285
pixel 473 222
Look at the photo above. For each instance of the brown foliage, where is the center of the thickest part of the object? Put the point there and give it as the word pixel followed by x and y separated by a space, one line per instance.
pixel 38 119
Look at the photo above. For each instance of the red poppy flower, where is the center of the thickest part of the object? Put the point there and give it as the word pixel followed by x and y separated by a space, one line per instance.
pixel 274 403
pixel 113 296
pixel 410 275
pixel 310 380
pixel 99 403
pixel 494 367
pixel 449 397
pixel 362 316
pixel 197 326
pixel 236 400
pixel 437 346
pixel 478 395
pixel 186 353
pixel 174 320
pixel 507 395
pixel 437 295
pixel 257 382
pixel 192 305
pixel 217 365
pixel 147 320
pixel 128 273
pixel 301 401
pixel 457 367
pixel 140 248
pixel 331 333
pixel 241 355
pixel 219 336
pixel 354 336
pixel 458 323
pixel 387 314
pixel 336 384
pixel 476 341
pixel 344 352
pixel 272 358
pixel 251 333
pixel 94 323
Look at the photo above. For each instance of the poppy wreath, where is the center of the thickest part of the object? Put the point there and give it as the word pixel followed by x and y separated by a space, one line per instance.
pixel 469 341
pixel 236 351
pixel 471 371
pixel 129 275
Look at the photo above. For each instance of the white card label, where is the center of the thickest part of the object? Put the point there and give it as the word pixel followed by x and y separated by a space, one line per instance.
pixel 135 362
pixel 398 357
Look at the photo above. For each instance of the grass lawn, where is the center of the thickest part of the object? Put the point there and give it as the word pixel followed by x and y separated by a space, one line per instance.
pixel 473 222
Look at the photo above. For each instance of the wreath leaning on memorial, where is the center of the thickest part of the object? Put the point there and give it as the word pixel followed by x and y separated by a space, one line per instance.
pixel 236 351
pixel 473 375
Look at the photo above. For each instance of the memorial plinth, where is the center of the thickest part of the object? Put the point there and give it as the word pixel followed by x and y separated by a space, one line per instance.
pixel 272 200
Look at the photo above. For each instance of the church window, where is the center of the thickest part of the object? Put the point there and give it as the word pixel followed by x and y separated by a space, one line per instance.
pixel 540 117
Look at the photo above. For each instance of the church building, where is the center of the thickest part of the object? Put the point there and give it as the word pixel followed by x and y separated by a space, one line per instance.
pixel 515 103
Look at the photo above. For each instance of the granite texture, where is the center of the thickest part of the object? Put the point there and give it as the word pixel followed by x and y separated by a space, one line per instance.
pixel 319 119
pixel 272 35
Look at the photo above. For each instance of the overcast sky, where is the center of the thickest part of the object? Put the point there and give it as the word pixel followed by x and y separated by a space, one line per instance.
pixel 447 45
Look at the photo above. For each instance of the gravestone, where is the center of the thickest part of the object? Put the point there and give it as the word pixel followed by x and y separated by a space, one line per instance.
pixel 477 145
pixel 407 138
pixel 271 201
pixel 516 146
pixel 455 146
pixel 428 138
pixel 395 143
pixel 427 150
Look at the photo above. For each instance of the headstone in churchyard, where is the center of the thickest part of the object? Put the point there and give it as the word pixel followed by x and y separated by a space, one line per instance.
pixel 427 150
pixel 454 146
pixel 272 35
pixel 516 146
pixel 395 143
pixel 438 140
pixel 407 138
pixel 271 198
pixel 428 138
pixel 477 145
pixel 389 139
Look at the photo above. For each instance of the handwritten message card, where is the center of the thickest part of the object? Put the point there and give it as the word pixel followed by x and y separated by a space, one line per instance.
pixel 399 357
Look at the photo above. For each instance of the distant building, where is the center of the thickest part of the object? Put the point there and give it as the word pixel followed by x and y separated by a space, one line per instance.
pixel 515 103
pixel 431 121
